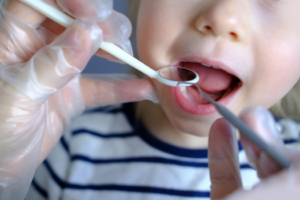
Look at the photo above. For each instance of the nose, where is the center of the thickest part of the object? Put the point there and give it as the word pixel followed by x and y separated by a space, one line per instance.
pixel 223 18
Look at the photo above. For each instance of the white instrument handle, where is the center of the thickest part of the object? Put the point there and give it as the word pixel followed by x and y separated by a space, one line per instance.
pixel 66 21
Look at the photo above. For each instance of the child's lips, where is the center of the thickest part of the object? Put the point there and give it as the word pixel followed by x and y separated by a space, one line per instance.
pixel 216 79
pixel 194 103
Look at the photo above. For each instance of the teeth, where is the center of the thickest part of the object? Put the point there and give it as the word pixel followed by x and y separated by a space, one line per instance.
pixel 205 65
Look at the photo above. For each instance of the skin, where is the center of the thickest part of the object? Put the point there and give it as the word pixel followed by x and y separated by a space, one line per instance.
pixel 258 40
pixel 225 180
pixel 111 91
pixel 223 164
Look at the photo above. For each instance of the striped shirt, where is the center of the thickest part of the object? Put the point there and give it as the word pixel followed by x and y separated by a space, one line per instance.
pixel 108 154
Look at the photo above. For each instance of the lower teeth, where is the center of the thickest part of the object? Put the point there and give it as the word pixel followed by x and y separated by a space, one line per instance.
pixel 193 95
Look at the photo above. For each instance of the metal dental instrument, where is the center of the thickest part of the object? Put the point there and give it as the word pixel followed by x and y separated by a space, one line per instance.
pixel 165 75
pixel 247 131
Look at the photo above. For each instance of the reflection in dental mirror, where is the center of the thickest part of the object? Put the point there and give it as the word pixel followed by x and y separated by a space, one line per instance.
pixel 177 76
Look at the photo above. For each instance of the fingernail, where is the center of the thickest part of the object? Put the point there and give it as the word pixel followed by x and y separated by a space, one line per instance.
pixel 152 97
pixel 102 8
pixel 118 28
pixel 126 46
pixel 93 32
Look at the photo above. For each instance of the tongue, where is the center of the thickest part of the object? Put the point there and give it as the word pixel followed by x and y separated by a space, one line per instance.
pixel 211 80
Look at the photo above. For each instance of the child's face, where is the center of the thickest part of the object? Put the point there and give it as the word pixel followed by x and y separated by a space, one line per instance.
pixel 254 43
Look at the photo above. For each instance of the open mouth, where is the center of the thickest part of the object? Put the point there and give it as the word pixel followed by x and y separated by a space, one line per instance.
pixel 218 82
pixel 215 82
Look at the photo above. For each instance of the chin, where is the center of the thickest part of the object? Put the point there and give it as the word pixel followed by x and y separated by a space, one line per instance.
pixel 193 127
pixel 182 120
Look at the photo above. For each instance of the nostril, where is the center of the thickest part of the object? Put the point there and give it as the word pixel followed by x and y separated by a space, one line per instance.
pixel 207 28
pixel 233 35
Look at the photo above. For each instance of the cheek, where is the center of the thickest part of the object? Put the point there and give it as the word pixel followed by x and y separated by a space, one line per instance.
pixel 153 47
pixel 277 70
pixel 158 28
pixel 148 35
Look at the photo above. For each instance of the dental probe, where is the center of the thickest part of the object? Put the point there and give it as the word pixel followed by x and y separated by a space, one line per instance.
pixel 247 131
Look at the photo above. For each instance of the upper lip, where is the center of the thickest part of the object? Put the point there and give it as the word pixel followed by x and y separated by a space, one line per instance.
pixel 205 61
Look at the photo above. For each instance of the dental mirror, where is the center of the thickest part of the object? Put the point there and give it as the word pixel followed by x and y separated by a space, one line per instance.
pixel 177 76
pixel 172 76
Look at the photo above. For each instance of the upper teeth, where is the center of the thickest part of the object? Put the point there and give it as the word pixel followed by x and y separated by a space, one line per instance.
pixel 206 65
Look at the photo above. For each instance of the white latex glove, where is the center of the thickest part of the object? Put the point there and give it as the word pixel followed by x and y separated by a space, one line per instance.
pixel 40 85
pixel 224 167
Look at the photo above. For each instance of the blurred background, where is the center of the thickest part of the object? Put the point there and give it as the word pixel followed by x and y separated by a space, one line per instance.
pixel 100 65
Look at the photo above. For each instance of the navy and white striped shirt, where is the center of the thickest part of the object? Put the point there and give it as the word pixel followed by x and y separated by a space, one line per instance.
pixel 109 154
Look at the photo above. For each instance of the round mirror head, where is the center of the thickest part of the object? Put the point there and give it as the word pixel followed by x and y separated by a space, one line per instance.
pixel 177 76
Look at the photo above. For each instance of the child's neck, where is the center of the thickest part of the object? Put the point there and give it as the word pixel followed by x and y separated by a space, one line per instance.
pixel 159 125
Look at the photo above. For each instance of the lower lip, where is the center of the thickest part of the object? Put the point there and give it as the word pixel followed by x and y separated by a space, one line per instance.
pixel 200 109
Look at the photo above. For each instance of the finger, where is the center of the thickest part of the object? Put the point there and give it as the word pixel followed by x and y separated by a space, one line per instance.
pixel 262 122
pixel 68 54
pixel 56 64
pixel 223 159
pixel 116 28
pixel 90 10
pixel 53 27
pixel 23 12
pixel 125 46
pixel 58 29
pixel 284 185
pixel 106 92
pixel 21 37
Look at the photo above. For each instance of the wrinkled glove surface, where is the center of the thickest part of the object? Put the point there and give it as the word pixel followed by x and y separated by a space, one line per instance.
pixel 40 85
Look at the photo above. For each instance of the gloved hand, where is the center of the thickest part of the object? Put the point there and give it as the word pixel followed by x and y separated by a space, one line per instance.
pixel 224 167
pixel 40 85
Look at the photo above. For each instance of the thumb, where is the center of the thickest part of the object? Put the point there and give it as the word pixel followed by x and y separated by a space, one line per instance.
pixel 284 185
pixel 223 159
pixel 102 92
